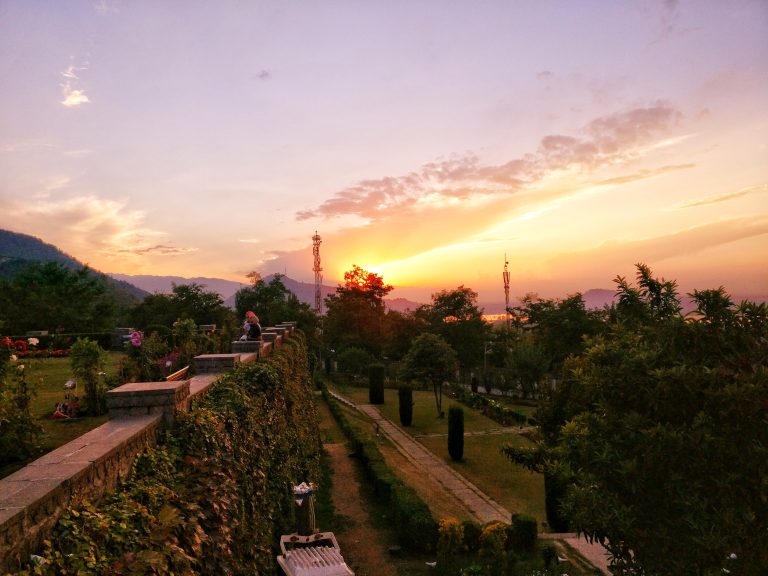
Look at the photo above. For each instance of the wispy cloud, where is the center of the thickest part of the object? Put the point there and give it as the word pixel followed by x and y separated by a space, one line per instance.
pixel 88 225
pixel 106 6
pixel 157 249
pixel 605 141
pixel 643 174
pixel 680 244
pixel 73 96
pixel 250 240
pixel 763 189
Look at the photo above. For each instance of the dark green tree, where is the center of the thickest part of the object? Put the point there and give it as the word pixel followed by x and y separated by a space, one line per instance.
pixel 431 360
pixel 558 326
pixel 186 301
pixel 660 432
pixel 49 296
pixel 455 316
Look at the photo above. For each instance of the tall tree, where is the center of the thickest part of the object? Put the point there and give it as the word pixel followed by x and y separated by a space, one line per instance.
pixel 355 313
pixel 455 316
pixel 433 361
pixel 186 301
pixel 558 326
pixel 50 296
pixel 660 429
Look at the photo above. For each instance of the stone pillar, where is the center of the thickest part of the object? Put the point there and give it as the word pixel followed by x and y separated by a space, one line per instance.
pixel 142 398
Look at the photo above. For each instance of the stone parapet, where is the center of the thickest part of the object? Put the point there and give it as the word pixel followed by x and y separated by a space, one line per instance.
pixel 208 363
pixel 142 398
pixel 272 336
pixel 243 346
pixel 32 499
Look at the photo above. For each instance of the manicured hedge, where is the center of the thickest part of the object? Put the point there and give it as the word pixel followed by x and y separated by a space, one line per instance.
pixel 456 432
pixel 413 521
pixel 405 399
pixel 376 383
pixel 494 410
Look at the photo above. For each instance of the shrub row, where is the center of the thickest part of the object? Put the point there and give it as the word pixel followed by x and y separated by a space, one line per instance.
pixel 494 410
pixel 64 341
pixel 216 494
pixel 413 521
pixel 491 549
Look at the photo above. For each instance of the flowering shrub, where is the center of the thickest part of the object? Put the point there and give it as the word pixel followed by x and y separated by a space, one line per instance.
pixel 87 361
pixel 59 353
pixel 450 545
pixel 19 433
pixel 494 557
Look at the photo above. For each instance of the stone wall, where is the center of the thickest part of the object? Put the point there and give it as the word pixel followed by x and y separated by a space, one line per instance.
pixel 32 498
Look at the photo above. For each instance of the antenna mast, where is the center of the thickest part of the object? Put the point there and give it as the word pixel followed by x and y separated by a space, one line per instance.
pixel 316 241
pixel 506 289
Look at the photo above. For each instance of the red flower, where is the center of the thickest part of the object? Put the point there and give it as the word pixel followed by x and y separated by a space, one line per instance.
pixel 20 345
pixel 6 342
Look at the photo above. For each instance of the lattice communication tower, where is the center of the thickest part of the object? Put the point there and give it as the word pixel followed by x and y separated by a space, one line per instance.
pixel 506 289
pixel 316 241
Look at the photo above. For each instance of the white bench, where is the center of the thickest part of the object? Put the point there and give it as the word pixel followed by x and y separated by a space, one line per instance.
pixel 315 555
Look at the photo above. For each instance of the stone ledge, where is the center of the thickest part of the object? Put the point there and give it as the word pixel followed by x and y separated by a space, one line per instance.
pixel 142 398
pixel 32 498
pixel 207 363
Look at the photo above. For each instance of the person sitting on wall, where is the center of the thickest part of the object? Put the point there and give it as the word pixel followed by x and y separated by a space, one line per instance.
pixel 254 328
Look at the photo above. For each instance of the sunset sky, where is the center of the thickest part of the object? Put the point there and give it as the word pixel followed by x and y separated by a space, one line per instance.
pixel 423 140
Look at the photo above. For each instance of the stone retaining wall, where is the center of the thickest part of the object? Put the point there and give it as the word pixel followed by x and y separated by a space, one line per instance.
pixel 32 499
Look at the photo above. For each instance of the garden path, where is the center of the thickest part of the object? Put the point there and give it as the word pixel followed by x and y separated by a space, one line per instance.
pixel 483 507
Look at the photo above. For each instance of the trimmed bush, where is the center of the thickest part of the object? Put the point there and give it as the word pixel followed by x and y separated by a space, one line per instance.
pixel 549 556
pixel 456 432
pixel 523 533
pixel 450 546
pixel 554 493
pixel 405 396
pixel 472 532
pixel 376 383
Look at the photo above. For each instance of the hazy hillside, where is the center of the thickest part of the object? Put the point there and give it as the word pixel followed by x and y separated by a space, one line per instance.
pixel 19 250
pixel 164 284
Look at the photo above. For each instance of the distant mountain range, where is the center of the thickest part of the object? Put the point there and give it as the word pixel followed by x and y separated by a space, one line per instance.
pixel 17 250
pixel 227 289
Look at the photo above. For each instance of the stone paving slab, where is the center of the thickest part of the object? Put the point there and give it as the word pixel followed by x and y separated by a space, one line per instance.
pixel 481 505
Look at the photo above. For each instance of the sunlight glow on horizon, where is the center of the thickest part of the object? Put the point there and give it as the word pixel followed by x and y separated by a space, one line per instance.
pixel 428 143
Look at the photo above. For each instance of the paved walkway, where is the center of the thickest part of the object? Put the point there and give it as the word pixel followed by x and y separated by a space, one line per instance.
pixel 484 508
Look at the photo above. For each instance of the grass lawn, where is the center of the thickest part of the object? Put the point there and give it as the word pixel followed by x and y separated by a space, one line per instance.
pixel 425 420
pixel 509 484
pixel 46 378
pixel 484 465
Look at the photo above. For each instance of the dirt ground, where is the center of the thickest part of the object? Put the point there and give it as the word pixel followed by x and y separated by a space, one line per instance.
pixel 364 547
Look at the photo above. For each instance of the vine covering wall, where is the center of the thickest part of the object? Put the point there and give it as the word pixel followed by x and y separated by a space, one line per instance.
pixel 215 495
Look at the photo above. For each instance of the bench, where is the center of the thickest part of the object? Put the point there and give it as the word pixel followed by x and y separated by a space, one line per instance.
pixel 315 555
pixel 178 375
